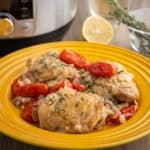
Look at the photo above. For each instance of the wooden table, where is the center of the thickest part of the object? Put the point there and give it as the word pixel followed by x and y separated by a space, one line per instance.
pixel 74 33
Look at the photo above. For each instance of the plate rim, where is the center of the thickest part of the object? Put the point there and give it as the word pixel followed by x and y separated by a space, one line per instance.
pixel 82 43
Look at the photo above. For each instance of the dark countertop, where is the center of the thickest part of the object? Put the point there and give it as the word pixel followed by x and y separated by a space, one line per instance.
pixel 74 33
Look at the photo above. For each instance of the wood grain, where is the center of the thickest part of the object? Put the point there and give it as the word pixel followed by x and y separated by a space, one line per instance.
pixel 74 33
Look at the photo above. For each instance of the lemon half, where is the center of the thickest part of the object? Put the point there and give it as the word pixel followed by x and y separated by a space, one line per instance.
pixel 97 29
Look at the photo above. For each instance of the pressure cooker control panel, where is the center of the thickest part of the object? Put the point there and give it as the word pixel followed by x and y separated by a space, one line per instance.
pixel 16 18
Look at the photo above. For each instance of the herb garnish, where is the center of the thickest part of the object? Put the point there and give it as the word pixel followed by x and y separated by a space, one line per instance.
pixel 42 62
pixel 120 71
pixel 122 15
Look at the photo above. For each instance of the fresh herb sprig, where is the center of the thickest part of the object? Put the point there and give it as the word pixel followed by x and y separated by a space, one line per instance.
pixel 122 15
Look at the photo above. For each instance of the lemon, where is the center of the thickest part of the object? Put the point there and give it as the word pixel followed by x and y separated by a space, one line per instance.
pixel 97 29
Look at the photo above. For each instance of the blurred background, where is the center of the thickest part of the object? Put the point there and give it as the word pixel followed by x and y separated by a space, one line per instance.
pixel 27 22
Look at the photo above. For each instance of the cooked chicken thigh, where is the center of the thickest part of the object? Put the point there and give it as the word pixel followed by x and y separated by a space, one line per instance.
pixel 49 67
pixel 57 96
pixel 121 86
pixel 70 111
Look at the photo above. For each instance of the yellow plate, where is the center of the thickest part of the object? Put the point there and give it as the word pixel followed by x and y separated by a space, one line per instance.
pixel 12 125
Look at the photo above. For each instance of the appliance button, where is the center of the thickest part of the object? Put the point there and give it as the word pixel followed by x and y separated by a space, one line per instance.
pixel 6 26
pixel 25 26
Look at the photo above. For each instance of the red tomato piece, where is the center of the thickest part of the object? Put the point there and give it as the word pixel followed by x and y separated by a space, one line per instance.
pixel 26 112
pixel 33 90
pixel 129 111
pixel 57 86
pixel 111 120
pixel 70 57
pixel 102 69
pixel 77 85
pixel 29 90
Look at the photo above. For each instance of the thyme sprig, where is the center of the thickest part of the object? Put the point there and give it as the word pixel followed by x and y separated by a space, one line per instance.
pixel 123 15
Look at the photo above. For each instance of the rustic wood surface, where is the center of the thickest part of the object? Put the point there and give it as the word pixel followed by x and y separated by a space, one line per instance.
pixel 74 33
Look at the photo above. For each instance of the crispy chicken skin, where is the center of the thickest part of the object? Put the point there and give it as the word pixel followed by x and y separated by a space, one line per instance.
pixel 70 111
pixel 121 86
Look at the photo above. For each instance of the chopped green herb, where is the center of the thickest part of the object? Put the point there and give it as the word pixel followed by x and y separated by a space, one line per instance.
pixel 120 71
pixel 122 15
pixel 88 90
pixel 43 63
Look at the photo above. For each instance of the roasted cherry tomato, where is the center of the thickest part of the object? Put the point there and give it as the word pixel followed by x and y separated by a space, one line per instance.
pixel 70 57
pixel 129 111
pixel 102 69
pixel 77 85
pixel 26 112
pixel 29 90
pixel 32 89
pixel 112 120
pixel 59 85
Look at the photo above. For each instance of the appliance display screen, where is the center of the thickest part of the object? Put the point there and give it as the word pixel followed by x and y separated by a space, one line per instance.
pixel 20 9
